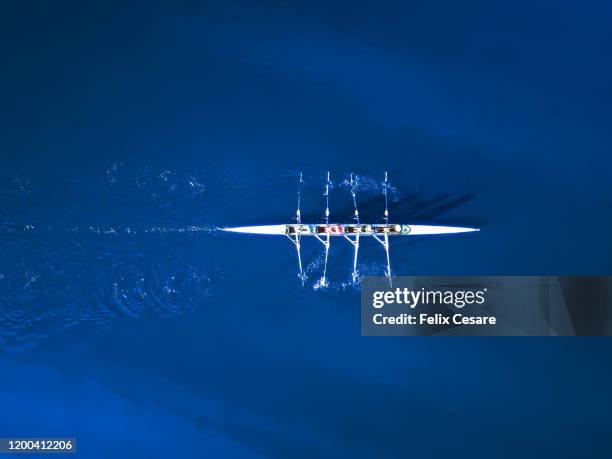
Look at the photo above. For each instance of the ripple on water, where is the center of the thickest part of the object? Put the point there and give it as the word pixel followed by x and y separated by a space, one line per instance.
pixel 51 281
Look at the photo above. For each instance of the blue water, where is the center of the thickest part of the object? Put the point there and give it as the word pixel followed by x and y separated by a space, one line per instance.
pixel 131 135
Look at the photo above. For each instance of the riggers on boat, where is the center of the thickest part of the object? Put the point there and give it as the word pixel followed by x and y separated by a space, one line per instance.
pixel 350 231
pixel 339 229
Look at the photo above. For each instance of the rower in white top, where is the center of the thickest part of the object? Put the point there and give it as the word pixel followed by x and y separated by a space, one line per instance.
pixel 352 231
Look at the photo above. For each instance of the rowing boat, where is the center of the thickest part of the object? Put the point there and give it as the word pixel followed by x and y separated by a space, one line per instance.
pixel 340 229
pixel 350 231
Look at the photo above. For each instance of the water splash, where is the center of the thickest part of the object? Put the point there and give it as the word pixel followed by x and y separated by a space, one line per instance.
pixel 368 185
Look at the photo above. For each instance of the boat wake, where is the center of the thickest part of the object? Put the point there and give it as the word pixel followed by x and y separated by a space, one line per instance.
pixel 83 253
pixel 56 283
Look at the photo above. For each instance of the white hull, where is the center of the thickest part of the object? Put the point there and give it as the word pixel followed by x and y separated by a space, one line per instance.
pixel 277 230
pixel 406 230
pixel 352 232
pixel 418 230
